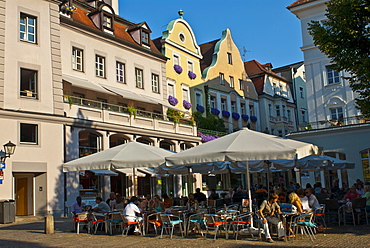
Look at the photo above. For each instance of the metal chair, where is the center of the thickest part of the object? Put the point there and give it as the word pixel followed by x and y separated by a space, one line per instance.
pixel 347 210
pixel 169 221
pixel 211 222
pixel 332 208
pixel 304 223
pixel 154 219
pixel 241 221
pixel 82 220
pixel 113 220
pixel 359 208
pixel 126 224
pixel 98 219
pixel 196 221
pixel 320 213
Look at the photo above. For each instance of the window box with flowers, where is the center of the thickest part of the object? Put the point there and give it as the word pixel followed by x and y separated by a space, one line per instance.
pixel 225 113
pixel 172 100
pixel 207 137
pixel 245 117
pixel 66 9
pixel 253 118
pixel 177 68
pixel 200 108
pixel 186 104
pixel 192 75
pixel 235 116
pixel 215 111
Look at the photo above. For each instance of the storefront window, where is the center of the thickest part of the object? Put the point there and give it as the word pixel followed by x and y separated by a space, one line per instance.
pixel 365 156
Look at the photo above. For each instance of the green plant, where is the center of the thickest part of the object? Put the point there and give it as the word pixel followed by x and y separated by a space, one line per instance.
pixel 132 111
pixel 174 115
pixel 211 122
pixel 70 101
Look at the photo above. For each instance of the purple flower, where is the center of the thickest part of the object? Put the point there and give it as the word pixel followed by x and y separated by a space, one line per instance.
pixel 236 116
pixel 245 117
pixel 172 100
pixel 177 69
pixel 200 108
pixel 215 111
pixel 253 118
pixel 192 75
pixel 207 137
pixel 225 113
pixel 186 104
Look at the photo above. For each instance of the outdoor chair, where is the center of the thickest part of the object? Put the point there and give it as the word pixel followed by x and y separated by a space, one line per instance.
pixel 211 223
pixel 319 213
pixel 154 219
pixel 127 225
pixel 347 212
pixel 169 221
pixel 82 220
pixel 332 208
pixel 114 220
pixel 241 221
pixel 195 221
pixel 359 209
pixel 304 223
pixel 98 220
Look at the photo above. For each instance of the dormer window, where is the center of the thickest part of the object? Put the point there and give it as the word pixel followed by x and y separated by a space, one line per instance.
pixel 107 21
pixel 103 17
pixel 145 37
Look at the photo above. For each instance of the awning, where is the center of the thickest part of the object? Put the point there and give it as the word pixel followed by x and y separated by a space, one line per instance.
pixel 85 84
pixel 129 172
pixel 127 94
pixel 104 173
pixel 148 170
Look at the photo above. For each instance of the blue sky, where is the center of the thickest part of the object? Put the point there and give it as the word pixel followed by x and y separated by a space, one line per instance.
pixel 265 28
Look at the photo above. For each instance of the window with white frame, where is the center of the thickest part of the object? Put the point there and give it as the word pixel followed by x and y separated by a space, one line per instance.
pixel 77 59
pixel 155 83
pixel 251 109
pixel 185 94
pixel 301 93
pixel 176 60
pixel 233 106
pixel 99 66
pixel 333 76
pixel 171 89
pixel 242 108
pixel 28 84
pixel 223 104
pixel 145 37
pixel 198 98
pixel 222 79
pixel 107 21
pixel 27 28
pixel 212 101
pixel 270 110
pixel 232 82
pixel 336 113
pixel 139 78
pixel 190 66
pixel 28 133
pixel 283 110
pixel 277 110
pixel 241 85
pixel 229 59
pixel 120 72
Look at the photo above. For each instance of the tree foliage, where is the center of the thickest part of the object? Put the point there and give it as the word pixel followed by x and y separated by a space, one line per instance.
pixel 345 38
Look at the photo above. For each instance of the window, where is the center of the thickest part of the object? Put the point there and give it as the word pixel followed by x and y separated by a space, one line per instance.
pixel 28 133
pixel 28 83
pixel 336 113
pixel 242 108
pixel 233 108
pixel 77 59
pixel 277 109
pixel 212 101
pixel 120 72
pixel 198 98
pixel 251 110
pixel 280 133
pixel 139 78
pixel 107 22
pixel 223 104
pixel 229 59
pixel 185 94
pixel 301 92
pixel 176 60
pixel 182 37
pixel 232 82
pixel 222 79
pixel 365 159
pixel 190 66
pixel 283 111
pixel 333 76
pixel 304 117
pixel 241 85
pixel 88 143
pixel 155 83
pixel 270 110
pixel 27 28
pixel 145 37
pixel 171 89
pixel 99 66
pixel 289 115
pixel 274 88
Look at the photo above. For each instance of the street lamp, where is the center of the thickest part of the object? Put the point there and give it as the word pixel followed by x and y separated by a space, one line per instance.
pixel 9 149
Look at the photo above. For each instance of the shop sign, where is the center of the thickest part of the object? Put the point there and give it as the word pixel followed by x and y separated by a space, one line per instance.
pixel 2 166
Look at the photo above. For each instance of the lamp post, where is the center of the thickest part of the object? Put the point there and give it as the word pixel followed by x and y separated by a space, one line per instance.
pixel 9 149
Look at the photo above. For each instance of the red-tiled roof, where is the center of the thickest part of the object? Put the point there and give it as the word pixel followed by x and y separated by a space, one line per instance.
pixel 207 50
pixel 299 2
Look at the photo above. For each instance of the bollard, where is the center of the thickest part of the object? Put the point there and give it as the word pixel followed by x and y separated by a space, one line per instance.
pixel 49 224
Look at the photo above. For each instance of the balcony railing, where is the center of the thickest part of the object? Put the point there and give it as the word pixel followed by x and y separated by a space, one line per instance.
pixel 72 100
pixel 335 123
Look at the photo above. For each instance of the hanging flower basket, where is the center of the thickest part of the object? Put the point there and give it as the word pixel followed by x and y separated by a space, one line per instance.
pixel 225 113
pixel 236 116
pixel 200 108
pixel 172 100
pixel 245 117
pixel 253 118
pixel 207 137
pixel 215 111
pixel 186 104
pixel 178 69
pixel 192 75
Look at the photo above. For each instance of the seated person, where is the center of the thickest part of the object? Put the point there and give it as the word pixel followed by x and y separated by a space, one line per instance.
pixel 304 200
pixel 367 196
pixel 213 195
pixel 102 207
pixel 112 198
pixel 296 201
pixel 282 197
pixel 351 194
pixel 238 195
pixel 192 202
pixel 312 200
pixel 268 209
pixel 157 205
pixel 77 206
pixel 145 205
pixel 230 194
pixel 199 196
pixel 132 209
pixel 167 201
pixel 119 204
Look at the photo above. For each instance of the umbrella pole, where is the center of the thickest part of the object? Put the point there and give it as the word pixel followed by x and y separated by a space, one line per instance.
pixel 248 186
pixel 134 180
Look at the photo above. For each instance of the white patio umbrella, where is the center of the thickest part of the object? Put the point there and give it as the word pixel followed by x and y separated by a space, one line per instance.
pixel 311 163
pixel 243 145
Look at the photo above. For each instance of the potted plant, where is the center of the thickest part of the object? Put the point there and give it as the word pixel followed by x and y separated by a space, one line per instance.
pixel 235 116
pixel 245 117
pixel 200 108
pixel 225 113
pixel 186 104
pixel 177 68
pixel 215 111
pixel 172 100
pixel 253 118
pixel 192 75
pixel 174 115
pixel 132 111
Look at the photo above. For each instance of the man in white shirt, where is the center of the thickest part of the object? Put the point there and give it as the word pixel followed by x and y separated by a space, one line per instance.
pixel 312 200
pixel 131 209
pixel 304 200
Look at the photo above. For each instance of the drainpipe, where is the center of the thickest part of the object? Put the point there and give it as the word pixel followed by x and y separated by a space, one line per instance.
pixel 64 173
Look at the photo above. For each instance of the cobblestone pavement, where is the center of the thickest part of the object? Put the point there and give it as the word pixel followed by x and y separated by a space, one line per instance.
pixel 30 233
